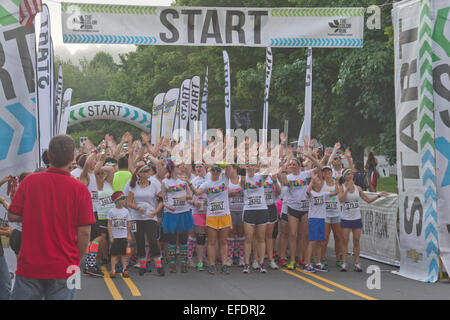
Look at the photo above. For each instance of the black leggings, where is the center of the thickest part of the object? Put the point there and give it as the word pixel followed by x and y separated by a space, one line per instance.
pixel 172 238
pixel 149 228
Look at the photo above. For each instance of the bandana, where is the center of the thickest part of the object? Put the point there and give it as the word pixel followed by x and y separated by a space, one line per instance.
pixel 346 172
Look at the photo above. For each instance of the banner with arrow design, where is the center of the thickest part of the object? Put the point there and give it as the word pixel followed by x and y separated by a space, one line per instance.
pixel 212 26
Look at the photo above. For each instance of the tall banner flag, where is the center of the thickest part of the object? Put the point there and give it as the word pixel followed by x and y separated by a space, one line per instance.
pixel 204 109
pixel 416 153
pixel 213 26
pixel 185 95
pixel 441 86
pixel 44 82
pixel 52 89
pixel 28 10
pixel 269 63
pixel 306 126
pixel 194 101
pixel 226 61
pixel 169 110
pixel 158 104
pixel 58 98
pixel 65 111
pixel 18 129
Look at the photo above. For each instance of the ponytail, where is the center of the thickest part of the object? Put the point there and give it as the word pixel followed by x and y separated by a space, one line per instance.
pixel 134 178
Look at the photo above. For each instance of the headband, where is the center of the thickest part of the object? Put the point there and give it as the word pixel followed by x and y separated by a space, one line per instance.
pixel 143 168
pixel 296 160
pixel 119 198
pixel 347 171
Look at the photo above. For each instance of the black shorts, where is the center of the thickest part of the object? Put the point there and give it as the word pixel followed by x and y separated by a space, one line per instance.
pixel 256 217
pixel 284 217
pixel 95 228
pixel 103 226
pixel 272 218
pixel 296 214
pixel 119 247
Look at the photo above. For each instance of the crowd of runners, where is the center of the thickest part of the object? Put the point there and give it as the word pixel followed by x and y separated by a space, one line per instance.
pixel 153 212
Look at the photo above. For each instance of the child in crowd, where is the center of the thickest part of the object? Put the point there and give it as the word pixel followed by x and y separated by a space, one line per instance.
pixel 119 229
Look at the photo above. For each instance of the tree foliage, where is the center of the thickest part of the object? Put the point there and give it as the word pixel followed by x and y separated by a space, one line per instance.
pixel 353 89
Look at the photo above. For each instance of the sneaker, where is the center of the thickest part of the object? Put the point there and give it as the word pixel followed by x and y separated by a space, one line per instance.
pixel 225 269
pixel 309 268
pixel 173 268
pixel 112 274
pixel 313 261
pixel 301 263
pixel 283 262
pixel 338 263
pixel 125 274
pixel 137 265
pixel 241 262
pixel 320 267
pixel 343 267
pixel 246 269
pixel 161 271
pixel 291 265
pixel 273 265
pixel 184 268
pixel 229 263
pixel 262 269
pixel 212 269
pixel 200 266
pixel 142 271
pixel 358 268
pixel 255 265
pixel 324 262
pixel 95 272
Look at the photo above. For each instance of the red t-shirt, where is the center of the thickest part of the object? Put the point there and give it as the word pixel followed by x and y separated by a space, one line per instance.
pixel 52 205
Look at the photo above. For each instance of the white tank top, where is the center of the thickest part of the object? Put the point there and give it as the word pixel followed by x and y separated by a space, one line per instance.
pixel 298 184
pixel 197 182
pixel 333 207
pixel 105 202
pixel 236 202
pixel 254 198
pixel 93 189
pixel 317 204
pixel 350 207
pixel 176 195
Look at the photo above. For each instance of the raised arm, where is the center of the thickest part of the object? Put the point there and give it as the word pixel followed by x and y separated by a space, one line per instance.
pixel 348 156
pixel 337 146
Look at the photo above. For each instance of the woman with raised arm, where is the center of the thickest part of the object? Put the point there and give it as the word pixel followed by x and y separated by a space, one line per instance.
pixel 236 198
pixel 177 220
pixel 298 204
pixel 144 203
pixel 218 217
pixel 349 196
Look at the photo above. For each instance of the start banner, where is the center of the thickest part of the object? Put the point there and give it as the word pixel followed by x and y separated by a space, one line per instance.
pixel 212 26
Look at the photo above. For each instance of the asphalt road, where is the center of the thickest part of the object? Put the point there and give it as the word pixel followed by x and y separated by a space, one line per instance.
pixel 274 285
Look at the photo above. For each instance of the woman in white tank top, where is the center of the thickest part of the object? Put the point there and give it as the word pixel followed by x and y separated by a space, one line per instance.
pixel 349 196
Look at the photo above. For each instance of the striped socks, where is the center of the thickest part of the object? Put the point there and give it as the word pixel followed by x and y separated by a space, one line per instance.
pixel 157 262
pixel 171 250
pixel 230 244
pixel 183 253
pixel 190 248
pixel 241 242
pixel 91 257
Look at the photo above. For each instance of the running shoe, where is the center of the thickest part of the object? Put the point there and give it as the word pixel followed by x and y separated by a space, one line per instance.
pixel 262 269
pixel 142 271
pixel 320 267
pixel 291 265
pixel 125 274
pixel 225 269
pixel 343 267
pixel 309 268
pixel 95 272
pixel 324 262
pixel 184 268
pixel 273 265
pixel 200 266
pixel 255 265
pixel 241 262
pixel 283 262
pixel 358 268
pixel 229 263
pixel 313 261
pixel 301 263
pixel 112 274
pixel 338 263
pixel 246 269
pixel 161 271
pixel 173 268
pixel 212 269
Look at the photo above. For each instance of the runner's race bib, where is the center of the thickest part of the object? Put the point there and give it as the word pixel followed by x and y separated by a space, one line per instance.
pixel 268 196
pixel 353 204
pixel 304 205
pixel 254 201
pixel 217 207
pixel 94 195
pixel 133 226
pixel 318 201
pixel 237 200
pixel 179 202
pixel 105 201
pixel 119 223
pixel 332 205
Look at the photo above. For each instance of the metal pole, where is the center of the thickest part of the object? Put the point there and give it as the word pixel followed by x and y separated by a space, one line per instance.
pixel 286 132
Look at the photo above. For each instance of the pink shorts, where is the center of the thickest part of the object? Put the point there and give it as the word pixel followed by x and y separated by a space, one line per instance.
pixel 200 219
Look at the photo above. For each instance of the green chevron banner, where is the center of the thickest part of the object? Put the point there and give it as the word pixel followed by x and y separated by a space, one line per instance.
pixel 422 51
pixel 212 26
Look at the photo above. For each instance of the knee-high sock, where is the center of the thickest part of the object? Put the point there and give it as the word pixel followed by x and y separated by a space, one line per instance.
pixel 190 248
pixel 91 258
pixel 142 262
pixel 241 242
pixel 230 244
pixel 183 253
pixel 171 250
pixel 157 261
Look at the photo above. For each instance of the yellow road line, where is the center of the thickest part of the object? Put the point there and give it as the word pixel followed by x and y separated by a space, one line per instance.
pixel 357 293
pixel 111 286
pixel 308 280
pixel 134 290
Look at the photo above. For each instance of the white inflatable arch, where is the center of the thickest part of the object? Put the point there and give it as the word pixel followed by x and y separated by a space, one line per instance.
pixel 110 110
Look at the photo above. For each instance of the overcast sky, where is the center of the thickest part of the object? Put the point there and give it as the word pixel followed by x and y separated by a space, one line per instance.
pixel 54 7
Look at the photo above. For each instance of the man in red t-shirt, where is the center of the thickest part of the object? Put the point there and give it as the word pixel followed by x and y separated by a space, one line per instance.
pixel 56 214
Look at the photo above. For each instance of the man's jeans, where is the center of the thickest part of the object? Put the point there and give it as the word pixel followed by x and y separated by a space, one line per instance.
pixel 38 289
pixel 5 279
